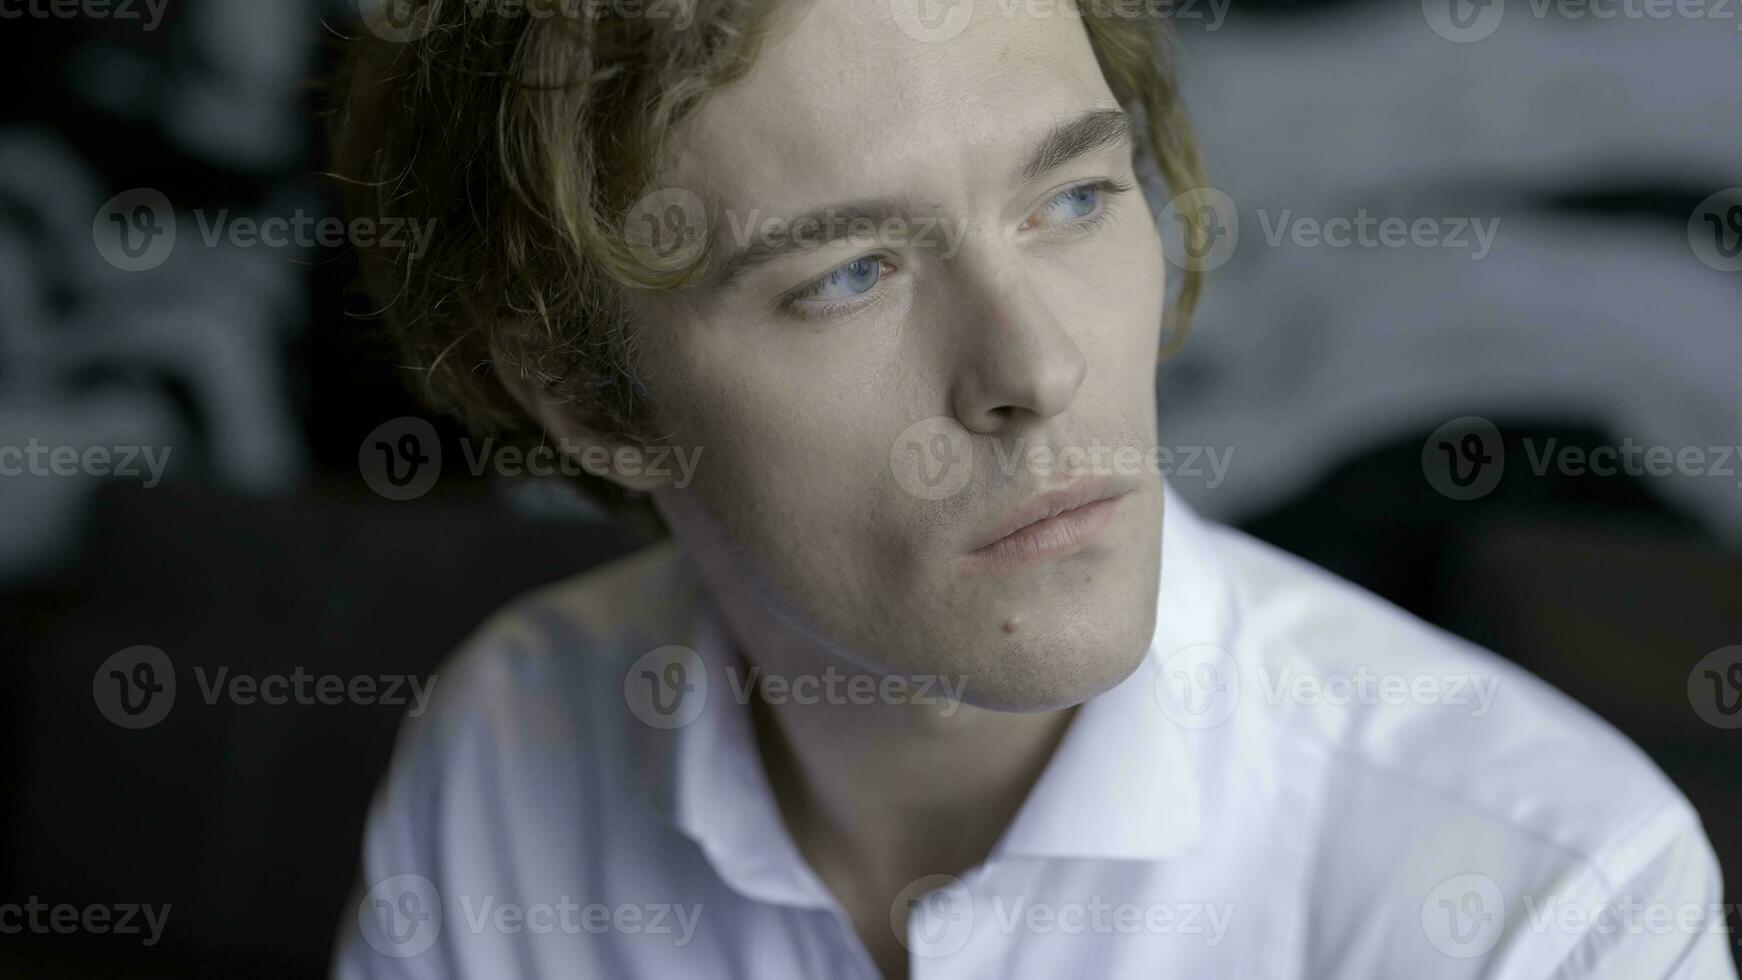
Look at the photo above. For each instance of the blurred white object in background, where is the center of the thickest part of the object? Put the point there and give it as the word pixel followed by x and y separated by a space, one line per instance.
pixel 94 356
pixel 1303 356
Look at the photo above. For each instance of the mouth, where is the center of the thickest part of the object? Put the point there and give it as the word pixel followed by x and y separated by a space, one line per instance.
pixel 1052 525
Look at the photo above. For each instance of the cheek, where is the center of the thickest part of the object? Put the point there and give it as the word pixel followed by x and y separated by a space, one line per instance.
pixel 1142 273
pixel 1138 290
pixel 791 452
pixel 1111 296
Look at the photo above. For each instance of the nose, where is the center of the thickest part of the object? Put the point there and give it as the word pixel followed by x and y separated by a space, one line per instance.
pixel 1016 362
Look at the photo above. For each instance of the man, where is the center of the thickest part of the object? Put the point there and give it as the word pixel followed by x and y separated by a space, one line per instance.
pixel 935 675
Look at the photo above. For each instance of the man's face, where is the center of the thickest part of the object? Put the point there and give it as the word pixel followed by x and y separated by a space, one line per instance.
pixel 875 412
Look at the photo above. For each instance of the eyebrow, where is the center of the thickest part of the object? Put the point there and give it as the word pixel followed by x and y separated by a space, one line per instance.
pixel 841 217
pixel 1097 129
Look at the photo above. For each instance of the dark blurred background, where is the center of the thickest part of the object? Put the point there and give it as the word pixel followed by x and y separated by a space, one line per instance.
pixel 1400 413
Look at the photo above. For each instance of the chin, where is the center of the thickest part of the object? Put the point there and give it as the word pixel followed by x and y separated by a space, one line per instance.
pixel 1074 640
pixel 1031 675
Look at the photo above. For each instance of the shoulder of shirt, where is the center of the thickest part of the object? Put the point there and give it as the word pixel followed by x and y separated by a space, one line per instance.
pixel 1537 767
pixel 558 648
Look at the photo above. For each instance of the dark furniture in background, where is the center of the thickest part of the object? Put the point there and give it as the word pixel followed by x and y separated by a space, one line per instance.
pixel 245 818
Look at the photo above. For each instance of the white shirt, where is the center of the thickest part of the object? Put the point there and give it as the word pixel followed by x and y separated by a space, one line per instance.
pixel 1300 781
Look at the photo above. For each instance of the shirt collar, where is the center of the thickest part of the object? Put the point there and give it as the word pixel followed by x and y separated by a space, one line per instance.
pixel 716 791
pixel 1123 783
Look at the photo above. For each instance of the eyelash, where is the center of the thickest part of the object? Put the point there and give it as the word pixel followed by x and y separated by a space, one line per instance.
pixel 791 302
pixel 1112 188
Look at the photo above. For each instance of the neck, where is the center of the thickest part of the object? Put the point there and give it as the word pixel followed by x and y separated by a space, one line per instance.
pixel 873 791
pixel 897 790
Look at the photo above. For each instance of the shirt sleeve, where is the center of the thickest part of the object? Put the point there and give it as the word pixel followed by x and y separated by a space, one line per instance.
pixel 1667 921
pixel 392 927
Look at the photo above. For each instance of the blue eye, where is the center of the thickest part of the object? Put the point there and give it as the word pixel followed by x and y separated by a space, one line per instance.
pixel 856 278
pixel 1081 207
pixel 1075 204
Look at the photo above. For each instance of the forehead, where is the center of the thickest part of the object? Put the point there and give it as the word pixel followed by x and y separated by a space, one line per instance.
pixel 850 94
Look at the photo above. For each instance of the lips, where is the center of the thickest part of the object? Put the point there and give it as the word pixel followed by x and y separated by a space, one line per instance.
pixel 1052 524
